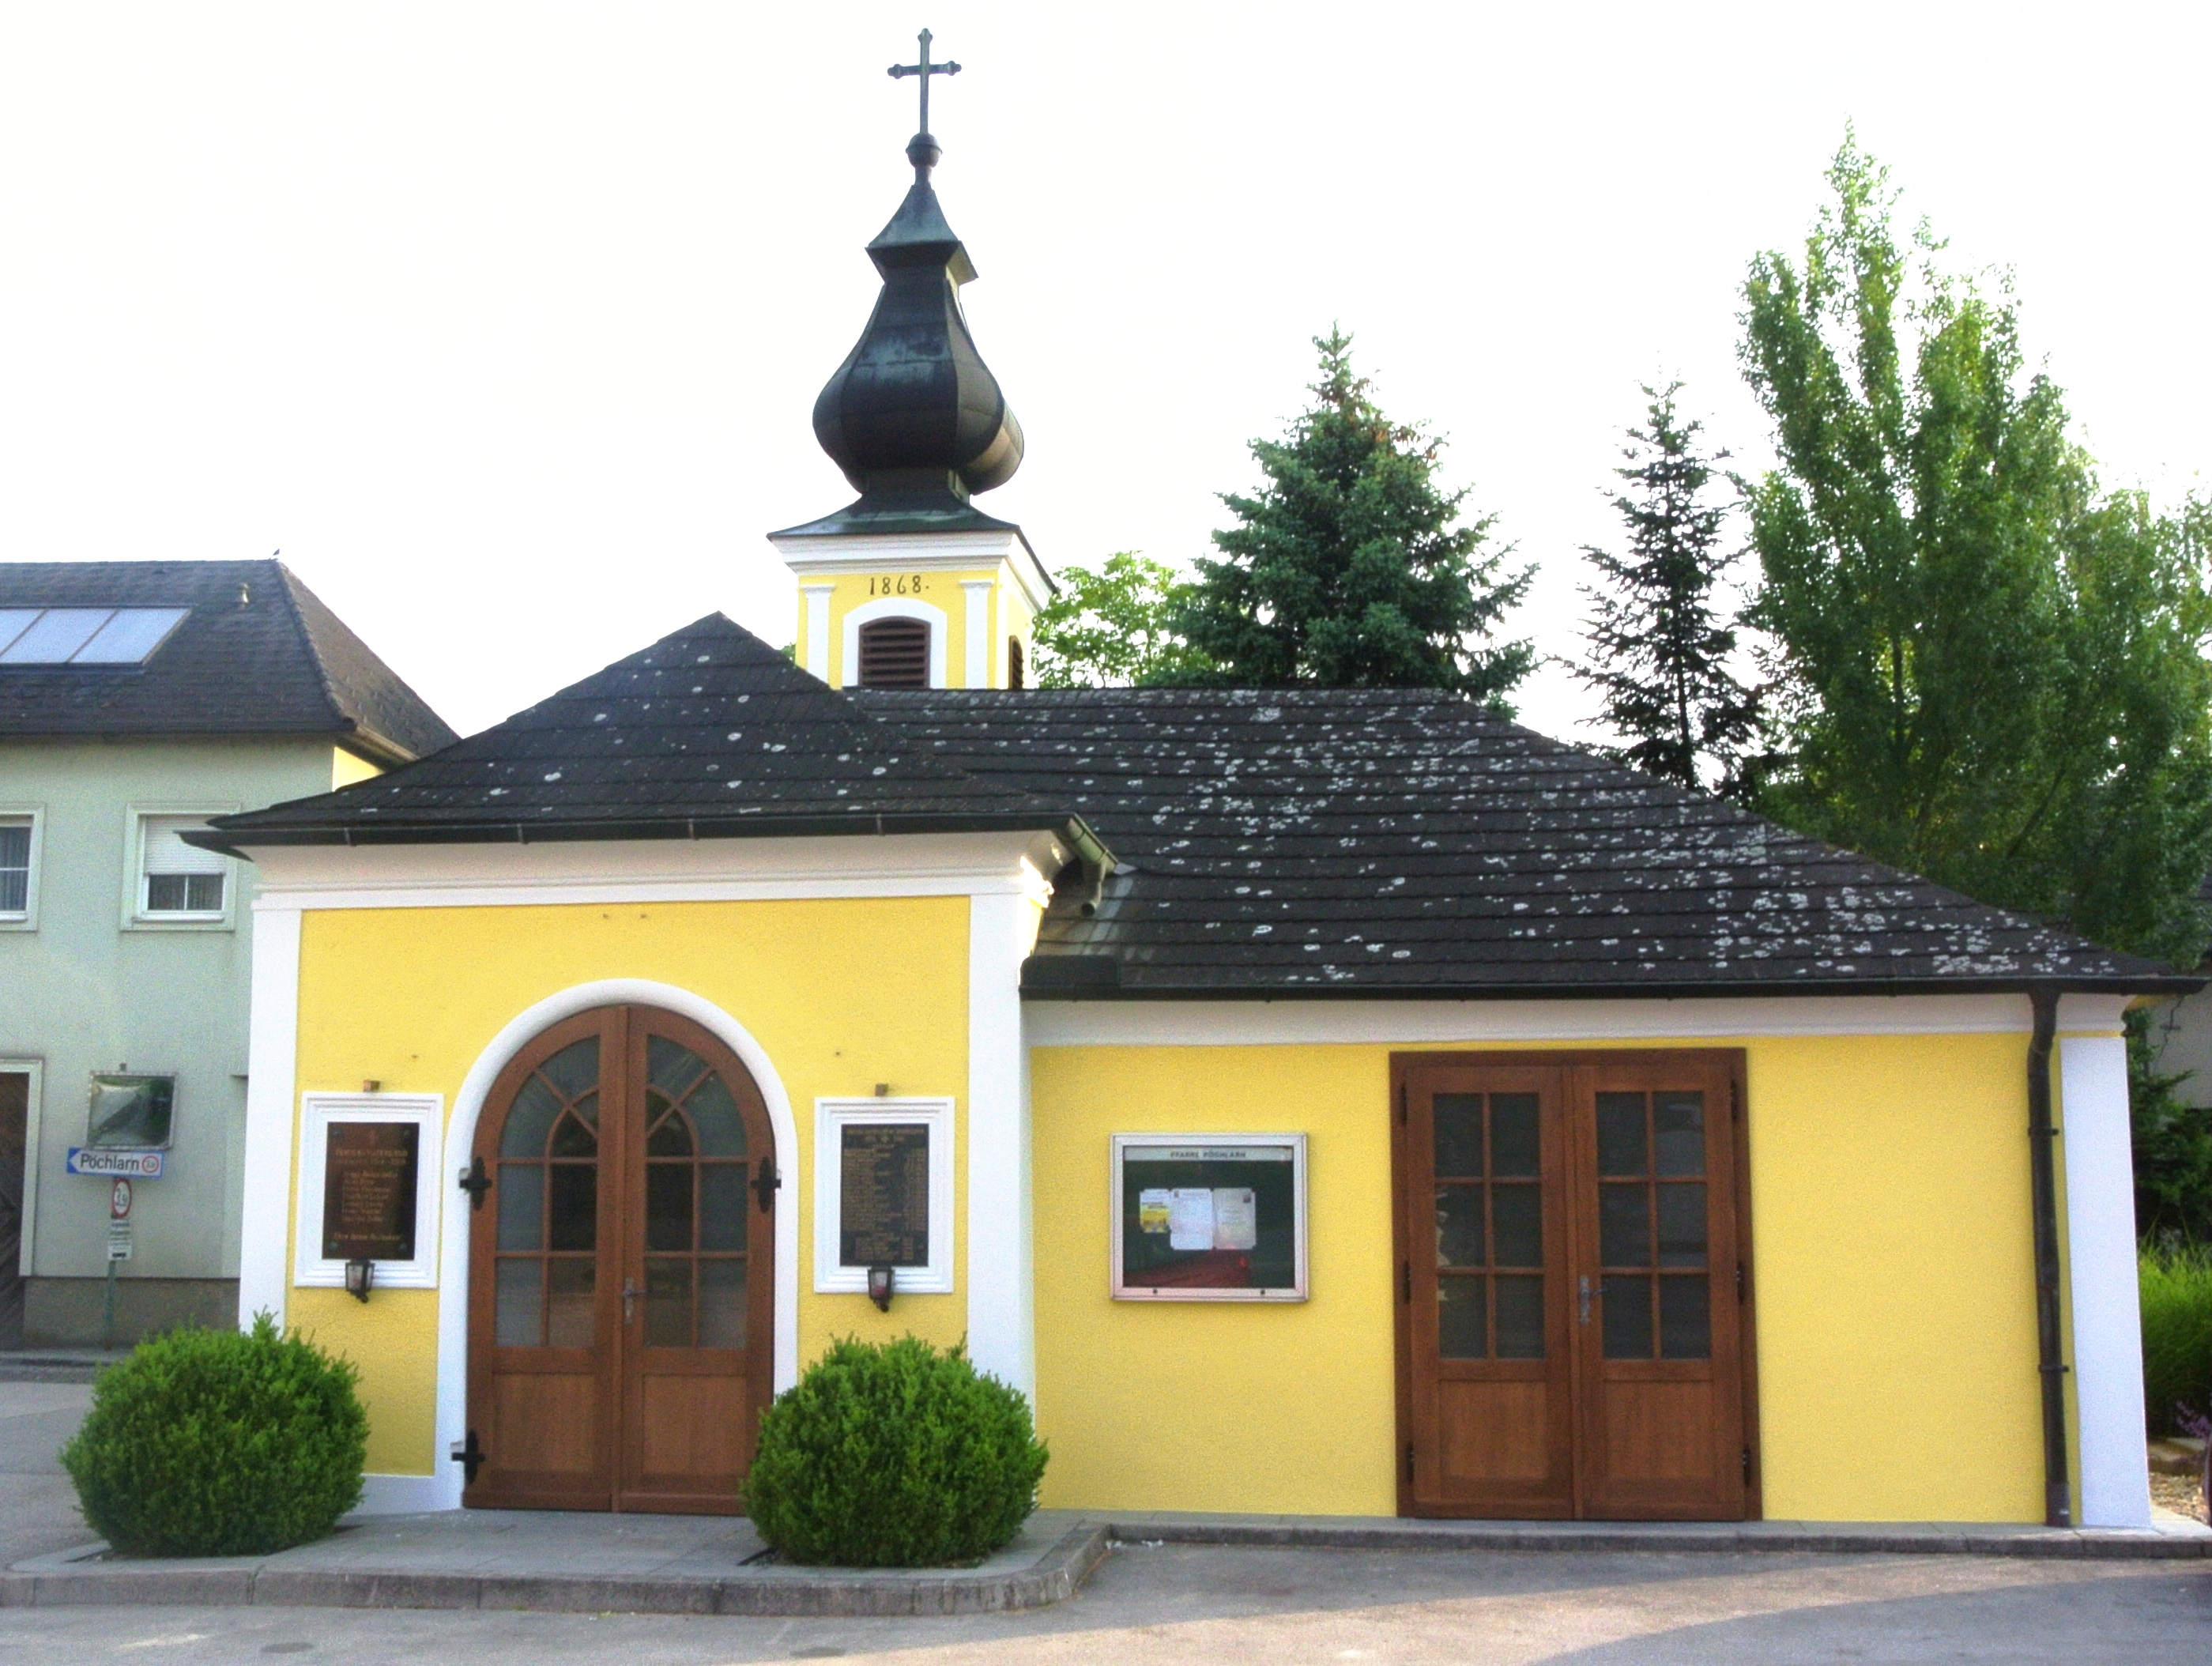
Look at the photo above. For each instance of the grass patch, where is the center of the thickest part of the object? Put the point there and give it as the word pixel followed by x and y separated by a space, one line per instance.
pixel 2176 1281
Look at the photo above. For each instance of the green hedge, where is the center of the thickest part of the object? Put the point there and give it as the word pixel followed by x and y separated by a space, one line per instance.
pixel 894 1455
pixel 2176 1281
pixel 219 1442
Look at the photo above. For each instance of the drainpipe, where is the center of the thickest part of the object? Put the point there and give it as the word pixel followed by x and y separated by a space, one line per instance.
pixel 2057 1495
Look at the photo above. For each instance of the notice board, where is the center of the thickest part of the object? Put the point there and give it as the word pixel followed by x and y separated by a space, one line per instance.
pixel 1209 1217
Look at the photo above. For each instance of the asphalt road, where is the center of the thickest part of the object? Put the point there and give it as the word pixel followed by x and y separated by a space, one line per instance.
pixel 1162 1606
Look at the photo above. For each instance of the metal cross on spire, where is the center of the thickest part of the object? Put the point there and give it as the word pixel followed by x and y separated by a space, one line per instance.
pixel 924 70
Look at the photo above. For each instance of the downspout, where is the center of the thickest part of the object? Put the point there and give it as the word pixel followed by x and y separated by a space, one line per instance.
pixel 2057 1495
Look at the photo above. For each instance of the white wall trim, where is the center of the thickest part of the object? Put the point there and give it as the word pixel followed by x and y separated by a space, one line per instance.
pixel 831 1274
pixel 580 872
pixel 892 607
pixel 2100 1246
pixel 977 642
pixel 400 1495
pixel 824 555
pixel 424 1111
pixel 1001 1285
pixel 1412 1023
pixel 2099 1015
pixel 460 1139
pixel 818 628
pixel 271 1060
pixel 27 1254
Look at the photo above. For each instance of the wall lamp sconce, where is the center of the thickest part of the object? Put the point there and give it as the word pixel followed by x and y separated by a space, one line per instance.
pixel 880 1279
pixel 361 1276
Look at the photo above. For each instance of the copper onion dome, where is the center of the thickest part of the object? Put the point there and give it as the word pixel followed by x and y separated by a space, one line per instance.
pixel 914 416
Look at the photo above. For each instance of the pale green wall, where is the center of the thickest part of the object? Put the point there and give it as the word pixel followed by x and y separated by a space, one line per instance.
pixel 81 993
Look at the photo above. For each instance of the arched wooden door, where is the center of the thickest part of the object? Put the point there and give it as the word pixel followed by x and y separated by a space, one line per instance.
pixel 620 1271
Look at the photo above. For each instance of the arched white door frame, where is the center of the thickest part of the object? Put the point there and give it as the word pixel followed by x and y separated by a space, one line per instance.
pixel 460 1141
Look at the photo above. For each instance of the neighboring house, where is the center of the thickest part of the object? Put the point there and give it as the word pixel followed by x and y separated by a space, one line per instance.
pixel 138 699
pixel 2181 1031
pixel 1319 1101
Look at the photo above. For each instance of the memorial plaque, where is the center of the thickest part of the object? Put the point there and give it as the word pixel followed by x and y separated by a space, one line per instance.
pixel 885 1195
pixel 368 1191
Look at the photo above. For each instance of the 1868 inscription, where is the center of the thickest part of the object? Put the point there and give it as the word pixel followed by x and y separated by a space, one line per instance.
pixel 885 1195
pixel 368 1191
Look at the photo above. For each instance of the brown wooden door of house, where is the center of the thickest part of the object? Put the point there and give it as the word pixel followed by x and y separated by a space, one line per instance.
pixel 1574 1336
pixel 15 1129
pixel 621 1283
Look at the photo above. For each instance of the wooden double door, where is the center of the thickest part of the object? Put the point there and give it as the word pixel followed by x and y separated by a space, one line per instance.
pixel 1574 1337
pixel 621 1275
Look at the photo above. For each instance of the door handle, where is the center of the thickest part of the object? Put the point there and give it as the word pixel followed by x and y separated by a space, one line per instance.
pixel 632 1291
pixel 1585 1298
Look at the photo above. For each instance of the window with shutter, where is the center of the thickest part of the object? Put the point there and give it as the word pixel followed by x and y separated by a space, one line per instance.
pixel 895 654
pixel 1017 670
pixel 177 880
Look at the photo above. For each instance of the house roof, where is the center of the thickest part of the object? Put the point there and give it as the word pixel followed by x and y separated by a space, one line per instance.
pixel 1269 844
pixel 1292 843
pixel 708 733
pixel 257 653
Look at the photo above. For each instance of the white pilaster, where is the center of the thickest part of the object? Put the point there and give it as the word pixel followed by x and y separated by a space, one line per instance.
pixel 818 628
pixel 1001 1319
pixel 2100 1236
pixel 979 631
pixel 272 1058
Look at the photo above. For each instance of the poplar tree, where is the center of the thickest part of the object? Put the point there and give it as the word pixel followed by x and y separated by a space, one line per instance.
pixel 1350 565
pixel 1659 653
pixel 1986 668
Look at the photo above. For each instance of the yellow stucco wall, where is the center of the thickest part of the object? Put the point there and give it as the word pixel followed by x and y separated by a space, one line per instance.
pixel 1009 616
pixel 410 998
pixel 347 768
pixel 1895 1295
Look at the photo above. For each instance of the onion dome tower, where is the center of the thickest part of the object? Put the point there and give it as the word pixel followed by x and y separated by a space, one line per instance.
pixel 911 586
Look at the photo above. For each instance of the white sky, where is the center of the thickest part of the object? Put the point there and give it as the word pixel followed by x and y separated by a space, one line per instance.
pixel 504 322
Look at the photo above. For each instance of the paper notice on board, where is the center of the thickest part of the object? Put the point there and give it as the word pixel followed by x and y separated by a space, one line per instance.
pixel 1236 1218
pixel 1152 1209
pixel 1190 1217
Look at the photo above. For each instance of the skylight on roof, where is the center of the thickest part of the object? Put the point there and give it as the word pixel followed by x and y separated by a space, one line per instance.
pixel 84 635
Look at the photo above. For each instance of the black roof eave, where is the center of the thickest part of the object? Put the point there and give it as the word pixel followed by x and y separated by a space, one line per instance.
pixel 241 841
pixel 1104 986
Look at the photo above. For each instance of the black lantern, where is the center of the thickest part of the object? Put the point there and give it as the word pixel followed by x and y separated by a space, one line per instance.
pixel 361 1274
pixel 879 1287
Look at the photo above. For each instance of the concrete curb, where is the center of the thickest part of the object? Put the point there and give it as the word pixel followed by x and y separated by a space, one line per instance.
pixel 1967 1539
pixel 75 1579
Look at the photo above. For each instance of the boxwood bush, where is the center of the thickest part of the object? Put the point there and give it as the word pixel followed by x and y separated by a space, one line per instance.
pixel 219 1442
pixel 894 1455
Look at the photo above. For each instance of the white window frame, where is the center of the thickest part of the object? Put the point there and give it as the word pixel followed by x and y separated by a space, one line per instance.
pixel 894 607
pixel 427 1111
pixel 135 914
pixel 27 920
pixel 831 1116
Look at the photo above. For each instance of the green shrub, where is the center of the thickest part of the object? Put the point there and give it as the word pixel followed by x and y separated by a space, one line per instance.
pixel 894 1455
pixel 2176 1331
pixel 219 1442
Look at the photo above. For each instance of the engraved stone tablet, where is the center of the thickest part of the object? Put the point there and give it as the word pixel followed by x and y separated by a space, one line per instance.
pixel 885 1195
pixel 368 1191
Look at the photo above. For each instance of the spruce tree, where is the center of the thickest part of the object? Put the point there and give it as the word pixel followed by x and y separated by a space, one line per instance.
pixel 1658 653
pixel 1350 567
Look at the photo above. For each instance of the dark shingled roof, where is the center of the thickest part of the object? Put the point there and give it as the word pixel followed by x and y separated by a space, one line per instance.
pixel 258 654
pixel 709 733
pixel 1268 844
pixel 1402 841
